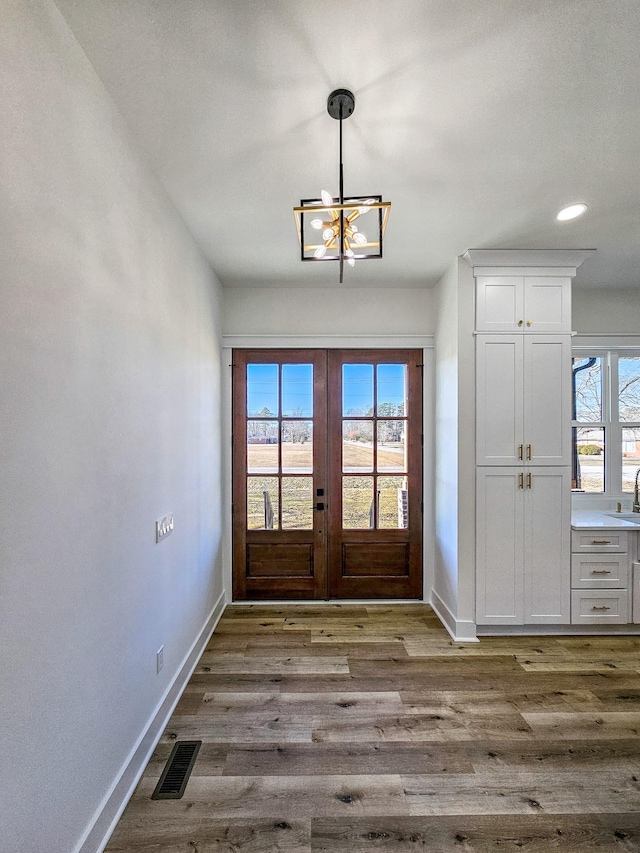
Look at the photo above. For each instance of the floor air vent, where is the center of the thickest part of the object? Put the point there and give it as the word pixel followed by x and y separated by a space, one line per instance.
pixel 176 773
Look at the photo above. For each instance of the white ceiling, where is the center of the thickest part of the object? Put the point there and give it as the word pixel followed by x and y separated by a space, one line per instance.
pixel 477 119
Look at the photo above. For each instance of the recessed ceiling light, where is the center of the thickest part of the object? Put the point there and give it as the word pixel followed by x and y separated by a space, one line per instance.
pixel 571 211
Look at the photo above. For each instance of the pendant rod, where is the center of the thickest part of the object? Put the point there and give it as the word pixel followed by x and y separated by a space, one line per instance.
pixel 341 202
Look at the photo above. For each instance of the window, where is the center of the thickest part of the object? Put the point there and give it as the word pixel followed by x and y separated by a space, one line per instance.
pixel 606 421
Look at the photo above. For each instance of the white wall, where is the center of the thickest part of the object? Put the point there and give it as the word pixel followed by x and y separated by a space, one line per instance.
pixel 454 566
pixel 605 310
pixel 109 395
pixel 446 441
pixel 340 310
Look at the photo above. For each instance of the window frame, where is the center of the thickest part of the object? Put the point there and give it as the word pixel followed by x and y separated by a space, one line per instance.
pixel 611 424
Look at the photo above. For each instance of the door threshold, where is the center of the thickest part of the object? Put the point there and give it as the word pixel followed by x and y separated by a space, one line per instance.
pixel 321 601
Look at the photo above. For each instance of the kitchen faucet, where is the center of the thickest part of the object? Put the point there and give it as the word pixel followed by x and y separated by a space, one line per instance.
pixel 636 501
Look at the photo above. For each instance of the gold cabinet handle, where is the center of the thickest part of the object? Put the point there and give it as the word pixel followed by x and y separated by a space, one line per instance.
pixel 520 322
pixel 521 481
pixel 521 452
pixel 600 571
pixel 600 607
pixel 601 541
pixel 529 480
pixel 529 452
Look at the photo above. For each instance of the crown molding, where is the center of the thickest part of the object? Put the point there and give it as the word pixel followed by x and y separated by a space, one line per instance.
pixel 560 259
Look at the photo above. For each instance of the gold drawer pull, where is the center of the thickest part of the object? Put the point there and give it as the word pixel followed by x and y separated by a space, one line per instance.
pixel 601 541
pixel 600 607
pixel 600 571
pixel 529 452
pixel 521 452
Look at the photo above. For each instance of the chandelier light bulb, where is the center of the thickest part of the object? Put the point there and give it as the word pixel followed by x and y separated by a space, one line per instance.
pixel 326 198
pixel 359 238
pixel 317 224
pixel 320 252
pixel 351 262
pixel 327 234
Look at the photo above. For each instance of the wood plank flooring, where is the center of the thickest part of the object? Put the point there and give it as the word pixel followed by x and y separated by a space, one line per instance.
pixel 352 728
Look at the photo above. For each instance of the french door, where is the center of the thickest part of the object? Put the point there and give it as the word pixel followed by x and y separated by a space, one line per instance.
pixel 327 474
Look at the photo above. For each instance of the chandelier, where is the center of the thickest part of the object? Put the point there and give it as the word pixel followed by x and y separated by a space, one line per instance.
pixel 338 219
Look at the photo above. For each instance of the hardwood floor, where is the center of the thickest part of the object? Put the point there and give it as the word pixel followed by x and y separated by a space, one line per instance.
pixel 365 728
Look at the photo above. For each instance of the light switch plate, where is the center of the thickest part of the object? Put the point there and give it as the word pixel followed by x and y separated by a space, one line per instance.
pixel 164 526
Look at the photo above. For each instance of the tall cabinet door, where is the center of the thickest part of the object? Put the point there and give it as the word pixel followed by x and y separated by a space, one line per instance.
pixel 499 399
pixel 547 546
pixel 499 546
pixel 547 399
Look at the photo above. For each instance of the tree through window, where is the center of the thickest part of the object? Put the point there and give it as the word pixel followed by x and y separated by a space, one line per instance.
pixel 606 422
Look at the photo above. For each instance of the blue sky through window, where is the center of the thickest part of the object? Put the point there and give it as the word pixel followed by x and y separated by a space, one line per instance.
pixel 297 388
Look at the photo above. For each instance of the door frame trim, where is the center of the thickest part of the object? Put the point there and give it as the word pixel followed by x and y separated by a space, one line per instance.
pixel 380 342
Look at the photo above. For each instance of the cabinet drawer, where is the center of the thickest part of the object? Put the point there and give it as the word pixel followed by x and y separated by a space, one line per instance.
pixel 599 541
pixel 599 607
pixel 595 571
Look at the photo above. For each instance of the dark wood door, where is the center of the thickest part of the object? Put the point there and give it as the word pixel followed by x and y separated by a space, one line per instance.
pixel 279 474
pixel 327 474
pixel 375 474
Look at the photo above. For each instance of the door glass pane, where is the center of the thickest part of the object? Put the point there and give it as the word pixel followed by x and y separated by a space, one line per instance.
pixel 357 502
pixel 357 389
pixel 391 446
pixel 393 503
pixel 589 475
pixel 587 374
pixel 630 458
pixel 297 503
pixel 629 389
pixel 262 447
pixel 262 503
pixel 391 390
pixel 297 447
pixel 357 446
pixel 262 390
pixel 297 390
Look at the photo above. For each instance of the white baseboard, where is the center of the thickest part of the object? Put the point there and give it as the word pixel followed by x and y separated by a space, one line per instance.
pixel 108 813
pixel 461 630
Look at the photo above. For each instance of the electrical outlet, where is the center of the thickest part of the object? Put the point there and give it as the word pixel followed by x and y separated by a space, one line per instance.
pixel 159 659
pixel 164 526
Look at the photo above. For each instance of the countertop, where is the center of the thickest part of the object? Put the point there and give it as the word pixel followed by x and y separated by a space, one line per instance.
pixel 601 519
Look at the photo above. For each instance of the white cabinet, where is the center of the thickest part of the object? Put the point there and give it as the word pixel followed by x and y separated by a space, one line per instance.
pixel 523 400
pixel 523 571
pixel 600 576
pixel 529 304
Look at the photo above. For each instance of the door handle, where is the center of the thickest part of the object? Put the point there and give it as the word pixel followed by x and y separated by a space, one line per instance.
pixel 521 480
pixel 529 480
pixel 529 452
pixel 521 452
pixel 320 506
